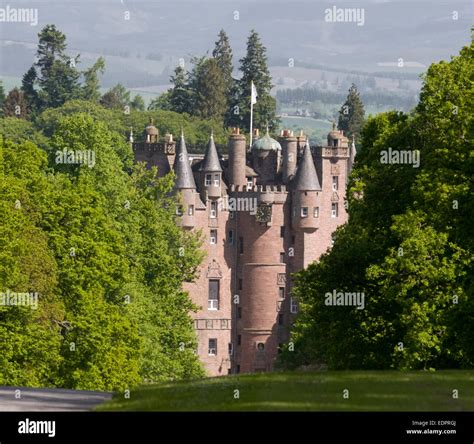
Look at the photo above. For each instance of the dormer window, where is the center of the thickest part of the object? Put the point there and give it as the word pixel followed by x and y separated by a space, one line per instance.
pixel 208 180
pixel 304 211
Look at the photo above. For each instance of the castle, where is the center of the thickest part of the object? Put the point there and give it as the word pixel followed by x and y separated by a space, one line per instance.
pixel 266 211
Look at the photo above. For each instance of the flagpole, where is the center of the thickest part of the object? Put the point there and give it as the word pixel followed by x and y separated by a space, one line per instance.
pixel 251 113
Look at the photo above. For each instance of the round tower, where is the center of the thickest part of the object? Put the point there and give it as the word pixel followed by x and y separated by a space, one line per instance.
pixel 266 155
pixel 306 189
pixel 237 159
pixel 185 186
pixel 288 144
pixel 211 173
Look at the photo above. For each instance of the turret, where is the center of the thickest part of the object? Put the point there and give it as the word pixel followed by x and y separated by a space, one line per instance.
pixel 306 189
pixel 151 133
pixel 237 159
pixel 266 155
pixel 211 172
pixel 185 185
pixel 288 144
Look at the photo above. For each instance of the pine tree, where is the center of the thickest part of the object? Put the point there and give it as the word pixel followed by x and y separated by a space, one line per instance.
pixel 351 114
pixel 58 76
pixel 90 89
pixel 223 54
pixel 209 99
pixel 28 88
pixel 15 104
pixel 180 94
pixel 254 68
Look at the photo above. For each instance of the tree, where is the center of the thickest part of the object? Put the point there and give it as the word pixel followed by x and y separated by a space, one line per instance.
pixel 254 68
pixel 2 95
pixel 15 104
pixel 29 90
pixel 180 95
pixel 138 103
pixel 90 89
pixel 351 114
pixel 117 97
pixel 208 87
pixel 58 77
pixel 161 102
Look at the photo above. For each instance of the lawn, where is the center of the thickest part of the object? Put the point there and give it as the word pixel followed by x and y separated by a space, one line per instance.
pixel 321 391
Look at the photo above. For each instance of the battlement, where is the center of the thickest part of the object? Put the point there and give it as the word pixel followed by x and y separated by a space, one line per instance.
pixel 262 189
pixel 158 147
pixel 331 151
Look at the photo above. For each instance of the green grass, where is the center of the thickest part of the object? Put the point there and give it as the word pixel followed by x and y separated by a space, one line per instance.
pixel 321 391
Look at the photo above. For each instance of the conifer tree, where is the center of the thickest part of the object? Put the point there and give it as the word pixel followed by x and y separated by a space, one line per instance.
pixel 254 68
pixel 180 95
pixel 90 89
pixel 28 88
pixel 351 114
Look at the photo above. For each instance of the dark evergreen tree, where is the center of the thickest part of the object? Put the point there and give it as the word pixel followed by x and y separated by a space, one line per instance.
pixel 116 97
pixel 209 98
pixel 351 114
pixel 90 89
pixel 58 77
pixel 254 68
pixel 180 94
pixel 2 95
pixel 138 103
pixel 29 90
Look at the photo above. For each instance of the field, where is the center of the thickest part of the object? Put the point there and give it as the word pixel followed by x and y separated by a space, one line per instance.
pixel 321 391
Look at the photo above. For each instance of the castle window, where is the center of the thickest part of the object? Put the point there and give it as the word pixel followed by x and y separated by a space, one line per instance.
pixel 239 340
pixel 212 349
pixel 213 238
pixel 282 258
pixel 239 312
pixel 304 211
pixel 334 142
pixel 241 245
pixel 281 319
pixel 293 305
pixel 241 284
pixel 334 210
pixel 213 296
pixel 230 237
pixel 316 212
pixel 179 210
pixel 281 293
pixel 231 349
pixel 213 213
pixel 191 210
pixel 208 180
pixel 335 183
pixel 260 346
pixel 237 369
pixel 249 183
pixel 282 231
pixel 217 180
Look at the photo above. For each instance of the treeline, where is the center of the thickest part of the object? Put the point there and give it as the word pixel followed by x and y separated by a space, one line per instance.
pixel 309 94
pixel 408 247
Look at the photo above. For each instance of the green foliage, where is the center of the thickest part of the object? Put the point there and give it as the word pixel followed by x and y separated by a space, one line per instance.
pixel 117 97
pixel 91 87
pixel 408 244
pixel 351 114
pixel 18 130
pixel 101 247
pixel 180 96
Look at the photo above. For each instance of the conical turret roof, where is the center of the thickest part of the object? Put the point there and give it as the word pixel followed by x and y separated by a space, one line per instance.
pixel 306 178
pixel 211 161
pixel 182 168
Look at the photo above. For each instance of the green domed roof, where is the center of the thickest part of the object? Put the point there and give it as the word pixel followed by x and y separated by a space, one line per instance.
pixel 266 143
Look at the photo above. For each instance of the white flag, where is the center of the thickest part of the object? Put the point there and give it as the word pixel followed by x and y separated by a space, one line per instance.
pixel 254 96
